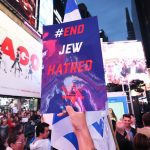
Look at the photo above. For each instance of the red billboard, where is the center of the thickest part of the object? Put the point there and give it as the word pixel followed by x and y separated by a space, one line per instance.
pixel 24 8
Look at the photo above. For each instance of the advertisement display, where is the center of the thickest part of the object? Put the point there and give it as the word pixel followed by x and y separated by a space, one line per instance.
pixel 26 8
pixel 20 60
pixel 124 62
pixel 117 101
pixel 73 71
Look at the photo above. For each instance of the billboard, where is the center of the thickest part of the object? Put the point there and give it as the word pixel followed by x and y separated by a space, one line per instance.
pixel 73 71
pixel 124 62
pixel 20 60
pixel 26 8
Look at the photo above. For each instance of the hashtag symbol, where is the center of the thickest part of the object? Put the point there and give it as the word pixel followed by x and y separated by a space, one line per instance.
pixel 59 32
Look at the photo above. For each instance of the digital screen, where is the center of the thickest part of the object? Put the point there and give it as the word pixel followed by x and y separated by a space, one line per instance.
pixel 26 8
pixel 117 108
pixel 124 62
pixel 118 102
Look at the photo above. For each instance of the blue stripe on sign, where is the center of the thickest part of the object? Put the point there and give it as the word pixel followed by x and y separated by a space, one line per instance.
pixel 99 127
pixel 70 6
pixel 56 118
pixel 72 139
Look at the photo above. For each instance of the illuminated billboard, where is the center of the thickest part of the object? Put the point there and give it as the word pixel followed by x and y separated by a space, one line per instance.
pixel 20 60
pixel 124 62
pixel 26 8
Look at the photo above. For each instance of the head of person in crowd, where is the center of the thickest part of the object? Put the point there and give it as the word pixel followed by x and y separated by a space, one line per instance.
pixel 127 121
pixel 146 122
pixel 4 129
pixel 16 141
pixel 9 115
pixel 141 142
pixel 42 130
pixel 4 121
pixel 146 119
pixel 120 128
pixel 112 114
pixel 16 119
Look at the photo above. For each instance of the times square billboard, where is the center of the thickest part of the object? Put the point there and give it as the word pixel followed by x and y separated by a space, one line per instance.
pixel 27 9
pixel 20 60
pixel 37 12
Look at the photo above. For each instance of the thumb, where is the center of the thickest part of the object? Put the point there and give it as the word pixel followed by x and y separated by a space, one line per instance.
pixel 70 110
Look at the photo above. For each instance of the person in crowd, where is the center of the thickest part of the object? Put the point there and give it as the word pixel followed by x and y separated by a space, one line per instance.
pixel 112 117
pixel 29 132
pixel 10 122
pixel 24 118
pixel 16 119
pixel 141 142
pixel 19 128
pixel 35 116
pixel 146 122
pixel 16 141
pixel 41 142
pixel 2 144
pixel 127 124
pixel 4 129
pixel 122 137
pixel 80 128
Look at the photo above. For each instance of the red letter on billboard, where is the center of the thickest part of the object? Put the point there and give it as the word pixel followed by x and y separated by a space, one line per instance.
pixel 35 62
pixel 7 48
pixel 66 31
pixel 24 60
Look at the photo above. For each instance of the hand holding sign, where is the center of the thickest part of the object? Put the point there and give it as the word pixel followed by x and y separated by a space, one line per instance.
pixel 80 128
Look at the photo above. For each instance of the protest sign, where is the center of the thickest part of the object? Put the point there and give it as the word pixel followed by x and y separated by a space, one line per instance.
pixel 73 71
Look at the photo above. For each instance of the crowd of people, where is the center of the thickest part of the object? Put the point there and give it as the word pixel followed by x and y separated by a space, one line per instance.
pixel 27 130
pixel 18 129
pixel 128 135
pixel 120 71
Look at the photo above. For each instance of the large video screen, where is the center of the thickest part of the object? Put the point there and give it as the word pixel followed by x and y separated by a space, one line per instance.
pixel 124 62
pixel 26 8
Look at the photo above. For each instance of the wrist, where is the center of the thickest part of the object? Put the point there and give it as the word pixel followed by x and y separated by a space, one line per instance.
pixel 84 139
